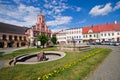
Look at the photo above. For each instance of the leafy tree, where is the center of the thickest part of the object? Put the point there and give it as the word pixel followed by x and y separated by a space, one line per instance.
pixel 43 39
pixel 54 39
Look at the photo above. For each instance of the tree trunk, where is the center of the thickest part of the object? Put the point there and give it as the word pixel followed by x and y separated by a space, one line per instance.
pixel 43 45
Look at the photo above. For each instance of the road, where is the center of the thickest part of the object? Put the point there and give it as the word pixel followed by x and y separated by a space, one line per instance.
pixel 110 67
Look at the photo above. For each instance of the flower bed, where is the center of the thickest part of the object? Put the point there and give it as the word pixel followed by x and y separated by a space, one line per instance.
pixel 61 69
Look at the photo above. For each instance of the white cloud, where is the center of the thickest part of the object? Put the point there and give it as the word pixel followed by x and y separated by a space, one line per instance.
pixel 59 28
pixel 56 8
pixel 100 10
pixel 21 15
pixel 78 9
pixel 59 21
pixel 82 21
pixel 117 6
pixel 25 15
pixel 17 1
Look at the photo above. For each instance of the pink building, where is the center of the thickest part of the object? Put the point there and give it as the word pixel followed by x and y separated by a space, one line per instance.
pixel 38 29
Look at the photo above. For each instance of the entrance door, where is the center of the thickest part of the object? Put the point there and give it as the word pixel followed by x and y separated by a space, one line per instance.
pixel 118 39
pixel 17 44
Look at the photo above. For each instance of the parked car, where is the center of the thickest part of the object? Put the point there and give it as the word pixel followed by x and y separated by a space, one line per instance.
pixel 111 43
pixel 98 43
pixel 116 44
pixel 105 43
pixel 94 43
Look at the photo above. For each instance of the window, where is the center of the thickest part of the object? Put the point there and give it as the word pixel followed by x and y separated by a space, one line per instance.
pixel 112 34
pixel 4 37
pixel 39 18
pixel 101 34
pixel 20 38
pixel 108 34
pixel 15 37
pixel 10 37
pixel 118 33
pixel 94 35
pixel 90 35
pixel 104 34
pixel 84 36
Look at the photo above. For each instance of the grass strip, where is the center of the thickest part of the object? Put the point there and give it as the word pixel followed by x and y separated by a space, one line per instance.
pixel 69 65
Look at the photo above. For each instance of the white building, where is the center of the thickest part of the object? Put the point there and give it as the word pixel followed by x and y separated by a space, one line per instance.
pixel 61 37
pixel 101 33
pixel 66 36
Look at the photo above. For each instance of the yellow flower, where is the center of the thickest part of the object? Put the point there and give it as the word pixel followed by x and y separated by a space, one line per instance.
pixel 50 74
pixel 39 78
pixel 55 71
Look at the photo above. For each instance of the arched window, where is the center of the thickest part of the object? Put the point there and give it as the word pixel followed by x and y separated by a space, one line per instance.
pixel 15 37
pixel 4 37
pixel 10 37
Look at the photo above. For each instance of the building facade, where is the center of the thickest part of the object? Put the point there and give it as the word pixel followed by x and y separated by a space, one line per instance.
pixel 98 33
pixel 12 36
pixel 68 35
pixel 101 33
pixel 38 29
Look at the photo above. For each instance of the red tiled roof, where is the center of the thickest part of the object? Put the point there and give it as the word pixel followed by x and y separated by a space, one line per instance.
pixel 95 29
pixel 106 27
pixel 102 28
pixel 117 26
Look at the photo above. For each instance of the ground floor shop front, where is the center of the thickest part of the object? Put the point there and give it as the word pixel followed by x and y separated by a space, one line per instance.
pixel 15 44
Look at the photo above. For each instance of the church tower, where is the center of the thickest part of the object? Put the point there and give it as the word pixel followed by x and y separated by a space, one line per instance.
pixel 40 19
pixel 41 24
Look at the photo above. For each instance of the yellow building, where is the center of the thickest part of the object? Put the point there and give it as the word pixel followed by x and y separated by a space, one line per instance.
pixel 12 36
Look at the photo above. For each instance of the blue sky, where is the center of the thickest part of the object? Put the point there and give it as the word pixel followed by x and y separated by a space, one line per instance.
pixel 60 14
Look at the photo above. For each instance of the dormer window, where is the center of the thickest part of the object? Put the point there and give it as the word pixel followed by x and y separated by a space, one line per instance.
pixel 90 31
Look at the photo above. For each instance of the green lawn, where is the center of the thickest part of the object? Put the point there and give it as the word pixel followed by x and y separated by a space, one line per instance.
pixel 1 53
pixel 76 72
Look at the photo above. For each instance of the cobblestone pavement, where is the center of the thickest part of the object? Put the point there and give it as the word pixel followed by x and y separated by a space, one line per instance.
pixel 10 50
pixel 110 68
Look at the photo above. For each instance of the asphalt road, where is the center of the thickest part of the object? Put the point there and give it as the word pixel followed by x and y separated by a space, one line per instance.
pixel 110 68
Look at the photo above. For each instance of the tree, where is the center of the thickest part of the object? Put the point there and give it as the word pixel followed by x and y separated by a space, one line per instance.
pixel 54 39
pixel 43 39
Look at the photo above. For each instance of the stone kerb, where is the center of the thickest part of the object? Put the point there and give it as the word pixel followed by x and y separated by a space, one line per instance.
pixel 13 61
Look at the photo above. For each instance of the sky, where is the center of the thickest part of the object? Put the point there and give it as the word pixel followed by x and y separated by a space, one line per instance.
pixel 60 14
